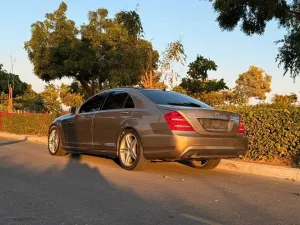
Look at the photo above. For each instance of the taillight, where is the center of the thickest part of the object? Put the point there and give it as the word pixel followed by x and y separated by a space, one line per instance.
pixel 241 129
pixel 177 122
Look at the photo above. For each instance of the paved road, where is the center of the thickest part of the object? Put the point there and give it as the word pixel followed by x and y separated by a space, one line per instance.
pixel 36 188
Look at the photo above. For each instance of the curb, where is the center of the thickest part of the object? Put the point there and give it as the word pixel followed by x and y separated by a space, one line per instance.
pixel 243 167
pixel 260 169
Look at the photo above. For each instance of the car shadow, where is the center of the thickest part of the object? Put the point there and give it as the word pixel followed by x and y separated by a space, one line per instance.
pixel 76 194
pixel 13 142
pixel 74 191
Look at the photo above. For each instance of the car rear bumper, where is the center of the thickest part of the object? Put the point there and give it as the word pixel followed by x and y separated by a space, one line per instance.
pixel 177 147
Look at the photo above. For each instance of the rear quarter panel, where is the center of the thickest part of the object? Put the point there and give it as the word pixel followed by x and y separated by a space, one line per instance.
pixel 148 121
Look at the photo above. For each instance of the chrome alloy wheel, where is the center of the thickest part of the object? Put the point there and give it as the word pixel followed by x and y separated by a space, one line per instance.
pixel 128 149
pixel 53 141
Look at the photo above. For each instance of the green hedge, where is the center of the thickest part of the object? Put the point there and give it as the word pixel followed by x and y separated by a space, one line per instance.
pixel 31 124
pixel 273 133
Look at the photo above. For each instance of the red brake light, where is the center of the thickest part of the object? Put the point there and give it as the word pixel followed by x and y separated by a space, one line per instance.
pixel 241 129
pixel 177 122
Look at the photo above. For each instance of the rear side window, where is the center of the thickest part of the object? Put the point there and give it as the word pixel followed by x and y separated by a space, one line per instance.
pixel 115 100
pixel 93 104
pixel 129 104
pixel 173 98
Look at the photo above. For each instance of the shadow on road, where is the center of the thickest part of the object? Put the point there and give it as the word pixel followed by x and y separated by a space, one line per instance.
pixel 12 142
pixel 78 193
pixel 75 194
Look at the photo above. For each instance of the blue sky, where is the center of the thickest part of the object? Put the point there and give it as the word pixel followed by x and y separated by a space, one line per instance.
pixel 164 21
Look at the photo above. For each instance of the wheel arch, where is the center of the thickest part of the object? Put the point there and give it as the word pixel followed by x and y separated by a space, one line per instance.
pixel 60 130
pixel 121 130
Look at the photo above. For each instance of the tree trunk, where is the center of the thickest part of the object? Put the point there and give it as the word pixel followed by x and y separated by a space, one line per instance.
pixel 10 90
pixel 100 83
pixel 147 78
pixel 93 86
pixel 151 78
pixel 86 87
pixel 150 69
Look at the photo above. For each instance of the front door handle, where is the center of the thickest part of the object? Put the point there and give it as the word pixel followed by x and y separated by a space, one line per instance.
pixel 124 113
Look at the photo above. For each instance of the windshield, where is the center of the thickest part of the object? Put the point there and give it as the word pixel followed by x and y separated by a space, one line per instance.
pixel 173 98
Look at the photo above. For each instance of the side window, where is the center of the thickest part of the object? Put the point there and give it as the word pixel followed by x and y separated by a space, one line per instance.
pixel 115 100
pixel 129 104
pixel 93 104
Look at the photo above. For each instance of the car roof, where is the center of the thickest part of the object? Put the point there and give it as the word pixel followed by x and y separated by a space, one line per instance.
pixel 134 88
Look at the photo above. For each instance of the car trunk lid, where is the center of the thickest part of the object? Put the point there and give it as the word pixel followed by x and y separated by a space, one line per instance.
pixel 208 122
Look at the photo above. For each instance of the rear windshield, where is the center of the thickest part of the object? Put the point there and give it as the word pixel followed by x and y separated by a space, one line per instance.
pixel 173 98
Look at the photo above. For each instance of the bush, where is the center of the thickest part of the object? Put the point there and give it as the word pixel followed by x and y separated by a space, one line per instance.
pixel 31 124
pixel 3 108
pixel 273 133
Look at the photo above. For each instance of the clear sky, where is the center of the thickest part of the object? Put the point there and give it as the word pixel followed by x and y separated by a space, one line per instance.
pixel 164 21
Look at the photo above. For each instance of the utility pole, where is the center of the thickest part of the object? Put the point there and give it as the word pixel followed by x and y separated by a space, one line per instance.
pixel 10 87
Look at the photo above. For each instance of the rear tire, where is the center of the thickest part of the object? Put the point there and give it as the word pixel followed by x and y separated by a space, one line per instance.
pixel 130 151
pixel 55 147
pixel 205 164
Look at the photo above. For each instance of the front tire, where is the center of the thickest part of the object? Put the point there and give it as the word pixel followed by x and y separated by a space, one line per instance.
pixel 205 164
pixel 130 151
pixel 55 147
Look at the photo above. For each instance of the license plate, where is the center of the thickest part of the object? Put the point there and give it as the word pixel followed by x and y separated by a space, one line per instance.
pixel 215 125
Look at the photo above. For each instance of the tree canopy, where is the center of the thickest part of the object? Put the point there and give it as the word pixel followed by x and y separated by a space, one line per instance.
pixel 5 77
pixel 50 99
pixel 253 83
pixel 199 68
pixel 29 101
pixel 197 81
pixel 105 51
pixel 253 17
pixel 159 71
pixel 284 100
pixel 69 98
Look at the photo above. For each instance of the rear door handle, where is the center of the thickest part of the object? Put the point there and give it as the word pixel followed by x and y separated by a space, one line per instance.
pixel 124 113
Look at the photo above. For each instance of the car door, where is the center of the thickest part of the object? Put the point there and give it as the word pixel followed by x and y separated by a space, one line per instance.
pixel 79 128
pixel 106 123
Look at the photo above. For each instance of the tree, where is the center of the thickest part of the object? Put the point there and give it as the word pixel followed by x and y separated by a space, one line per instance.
pixel 179 89
pixel 199 68
pixel 75 87
pixel 253 83
pixel 253 17
pixel 19 86
pixel 106 51
pixel 197 80
pixel 69 98
pixel 174 53
pixel 29 101
pixel 212 98
pixel 233 97
pixel 289 52
pixel 149 75
pixel 50 97
pixel 163 69
pixel 284 101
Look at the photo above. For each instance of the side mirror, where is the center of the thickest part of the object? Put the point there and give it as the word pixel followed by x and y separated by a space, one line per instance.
pixel 73 110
